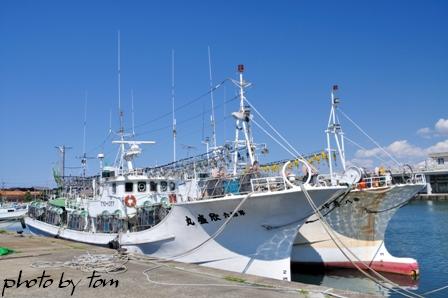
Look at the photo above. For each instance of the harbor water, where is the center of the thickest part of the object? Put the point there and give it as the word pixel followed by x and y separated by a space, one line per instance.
pixel 418 230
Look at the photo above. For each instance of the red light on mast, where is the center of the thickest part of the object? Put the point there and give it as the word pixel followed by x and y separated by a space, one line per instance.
pixel 240 68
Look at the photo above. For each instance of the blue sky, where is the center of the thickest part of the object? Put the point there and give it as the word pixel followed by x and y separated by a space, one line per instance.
pixel 390 59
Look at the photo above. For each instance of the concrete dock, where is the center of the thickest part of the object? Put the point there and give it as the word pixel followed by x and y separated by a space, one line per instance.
pixel 143 278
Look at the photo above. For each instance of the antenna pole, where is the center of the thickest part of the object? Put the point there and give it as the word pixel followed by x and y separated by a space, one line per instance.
pixel 212 116
pixel 110 121
pixel 119 85
pixel 225 114
pixel 121 131
pixel 172 105
pixel 84 156
pixel 132 111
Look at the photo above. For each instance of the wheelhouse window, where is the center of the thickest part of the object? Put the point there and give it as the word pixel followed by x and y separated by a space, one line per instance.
pixel 152 186
pixel 440 160
pixel 172 185
pixel 163 186
pixel 108 174
pixel 129 187
pixel 114 188
pixel 141 186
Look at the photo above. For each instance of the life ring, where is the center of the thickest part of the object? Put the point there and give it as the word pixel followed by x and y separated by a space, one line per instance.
pixel 130 201
pixel 172 198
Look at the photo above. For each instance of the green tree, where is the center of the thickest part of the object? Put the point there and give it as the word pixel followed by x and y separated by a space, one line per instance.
pixel 27 197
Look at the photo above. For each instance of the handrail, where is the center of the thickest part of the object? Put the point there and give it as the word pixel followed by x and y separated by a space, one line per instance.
pixel 374 182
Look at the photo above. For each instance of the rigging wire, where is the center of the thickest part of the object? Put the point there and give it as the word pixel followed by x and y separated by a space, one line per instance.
pixel 183 105
pixel 370 138
pixel 198 115
pixel 297 153
pixel 273 138
pixel 363 148
pixel 166 115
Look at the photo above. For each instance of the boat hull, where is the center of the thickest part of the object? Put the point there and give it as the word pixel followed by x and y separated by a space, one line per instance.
pixel 257 239
pixel 40 228
pixel 16 214
pixel 360 221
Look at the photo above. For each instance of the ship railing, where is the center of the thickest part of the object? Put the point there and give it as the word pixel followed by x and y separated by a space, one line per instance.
pixel 419 178
pixel 268 184
pixel 216 187
pixel 374 182
pixel 134 172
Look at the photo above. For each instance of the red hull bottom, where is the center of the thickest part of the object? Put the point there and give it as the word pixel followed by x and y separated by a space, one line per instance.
pixel 410 269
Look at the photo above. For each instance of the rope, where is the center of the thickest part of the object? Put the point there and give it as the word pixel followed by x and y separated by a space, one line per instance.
pixel 104 263
pixel 388 209
pixel 370 138
pixel 435 290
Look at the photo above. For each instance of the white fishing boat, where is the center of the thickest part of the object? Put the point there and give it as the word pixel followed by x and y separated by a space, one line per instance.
pixel 10 212
pixel 359 219
pixel 243 221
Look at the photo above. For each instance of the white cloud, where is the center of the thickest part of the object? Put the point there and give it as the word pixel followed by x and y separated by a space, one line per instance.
pixel 439 147
pixel 366 153
pixel 440 129
pixel 425 132
pixel 401 149
pixel 441 126
pixel 361 162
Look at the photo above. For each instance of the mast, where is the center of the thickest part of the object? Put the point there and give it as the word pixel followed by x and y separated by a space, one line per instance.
pixel 120 111
pixel 242 123
pixel 132 112
pixel 172 105
pixel 212 116
pixel 334 127
pixel 84 154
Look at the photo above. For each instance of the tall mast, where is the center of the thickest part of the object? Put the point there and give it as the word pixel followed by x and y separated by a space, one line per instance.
pixel 334 127
pixel 110 121
pixel 172 104
pixel 242 123
pixel 120 111
pixel 212 116
pixel 84 155
pixel 132 111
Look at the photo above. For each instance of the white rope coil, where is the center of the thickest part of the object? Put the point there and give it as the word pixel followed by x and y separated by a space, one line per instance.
pixel 103 263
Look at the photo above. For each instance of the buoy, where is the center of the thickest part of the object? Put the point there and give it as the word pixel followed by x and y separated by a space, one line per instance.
pixel 172 198
pixel 130 201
